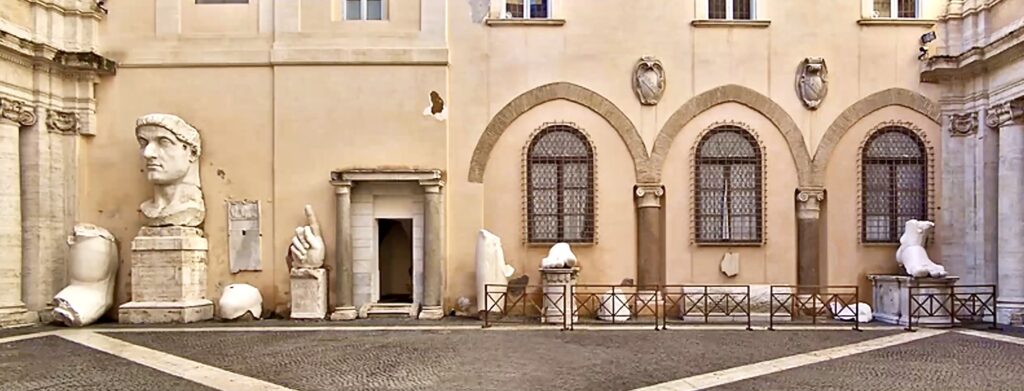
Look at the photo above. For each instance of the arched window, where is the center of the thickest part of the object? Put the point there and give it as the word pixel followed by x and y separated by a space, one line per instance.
pixel 560 186
pixel 894 180
pixel 729 182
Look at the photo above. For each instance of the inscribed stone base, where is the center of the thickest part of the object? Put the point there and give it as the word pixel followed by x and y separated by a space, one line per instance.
pixel 165 312
pixel 1010 313
pixel 17 317
pixel 891 298
pixel 557 286
pixel 344 313
pixel 168 277
pixel 309 293
pixel 431 313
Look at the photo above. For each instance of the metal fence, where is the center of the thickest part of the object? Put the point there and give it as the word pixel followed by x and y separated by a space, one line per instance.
pixel 950 306
pixel 706 304
pixel 615 304
pixel 525 304
pixel 813 303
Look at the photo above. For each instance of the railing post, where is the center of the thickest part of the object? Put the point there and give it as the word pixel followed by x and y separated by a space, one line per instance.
pixel 748 308
pixel 856 308
pixel 910 308
pixel 771 307
pixel 487 308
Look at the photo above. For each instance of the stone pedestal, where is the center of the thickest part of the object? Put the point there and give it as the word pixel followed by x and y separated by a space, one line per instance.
pixel 891 298
pixel 309 293
pixel 557 286
pixel 168 277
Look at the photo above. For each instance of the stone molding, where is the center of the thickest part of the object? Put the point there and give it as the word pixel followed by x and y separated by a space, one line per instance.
pixel 63 122
pixel 732 94
pixel 961 125
pixel 1003 113
pixel 857 111
pixel 809 201
pixel 18 112
pixel 564 91
pixel 90 8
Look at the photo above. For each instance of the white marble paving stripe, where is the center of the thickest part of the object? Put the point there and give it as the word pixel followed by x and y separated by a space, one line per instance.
pixel 23 337
pixel 595 327
pixel 717 378
pixel 993 336
pixel 186 369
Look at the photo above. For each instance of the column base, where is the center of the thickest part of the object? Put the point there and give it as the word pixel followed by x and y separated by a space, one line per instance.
pixel 141 312
pixel 344 313
pixel 1010 314
pixel 431 313
pixel 17 317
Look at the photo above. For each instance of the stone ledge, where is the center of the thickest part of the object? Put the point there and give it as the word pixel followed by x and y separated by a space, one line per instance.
pixel 525 22
pixel 731 23
pixel 187 311
pixel 896 22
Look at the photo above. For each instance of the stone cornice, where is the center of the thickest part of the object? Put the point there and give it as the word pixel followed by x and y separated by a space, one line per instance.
pixel 1003 113
pixel 17 111
pixel 88 8
pixel 1000 51
pixel 27 53
pixel 964 124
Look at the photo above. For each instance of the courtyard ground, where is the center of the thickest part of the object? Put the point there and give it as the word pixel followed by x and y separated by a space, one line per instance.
pixel 459 355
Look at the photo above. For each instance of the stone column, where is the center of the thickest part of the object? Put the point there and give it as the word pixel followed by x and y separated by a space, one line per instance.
pixel 650 265
pixel 344 309
pixel 13 115
pixel 433 249
pixel 1009 117
pixel 808 215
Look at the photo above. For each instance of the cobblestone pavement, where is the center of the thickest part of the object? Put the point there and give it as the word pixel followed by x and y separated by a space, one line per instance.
pixel 51 363
pixel 944 362
pixel 513 360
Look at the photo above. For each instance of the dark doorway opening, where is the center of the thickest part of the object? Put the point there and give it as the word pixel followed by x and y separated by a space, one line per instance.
pixel 394 250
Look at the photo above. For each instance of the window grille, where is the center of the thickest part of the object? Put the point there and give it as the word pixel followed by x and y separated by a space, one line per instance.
pixel 731 9
pixel 560 186
pixel 729 182
pixel 895 184
pixel 907 8
pixel 527 9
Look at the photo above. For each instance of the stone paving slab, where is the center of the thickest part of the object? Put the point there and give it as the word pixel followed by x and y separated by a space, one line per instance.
pixel 484 359
pixel 948 361
pixel 52 363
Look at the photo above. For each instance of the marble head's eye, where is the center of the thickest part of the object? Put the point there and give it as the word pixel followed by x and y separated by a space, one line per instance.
pixel 164 141
pixel 143 142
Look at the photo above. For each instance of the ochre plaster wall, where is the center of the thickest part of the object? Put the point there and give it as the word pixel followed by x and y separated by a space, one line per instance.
pixel 613 257
pixel 849 261
pixel 772 262
pixel 219 20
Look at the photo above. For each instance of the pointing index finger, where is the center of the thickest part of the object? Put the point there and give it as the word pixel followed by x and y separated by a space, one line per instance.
pixel 311 219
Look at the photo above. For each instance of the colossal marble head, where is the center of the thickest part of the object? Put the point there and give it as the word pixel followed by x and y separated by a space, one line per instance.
pixel 171 148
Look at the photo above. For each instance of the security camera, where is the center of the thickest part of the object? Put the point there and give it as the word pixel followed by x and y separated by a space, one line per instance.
pixel 924 53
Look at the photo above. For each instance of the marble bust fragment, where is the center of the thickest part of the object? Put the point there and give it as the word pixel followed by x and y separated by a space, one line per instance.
pixel 490 268
pixel 91 272
pixel 171 148
pixel 239 299
pixel 560 256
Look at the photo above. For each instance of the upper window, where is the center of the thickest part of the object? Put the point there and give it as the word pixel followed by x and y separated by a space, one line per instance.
pixel 729 182
pixel 896 8
pixel 560 186
pixel 894 181
pixel 222 1
pixel 527 9
pixel 366 9
pixel 731 9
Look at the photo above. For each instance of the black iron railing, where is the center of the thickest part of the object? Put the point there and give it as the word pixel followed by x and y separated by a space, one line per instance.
pixel 615 304
pixel 525 304
pixel 706 303
pixel 818 303
pixel 950 306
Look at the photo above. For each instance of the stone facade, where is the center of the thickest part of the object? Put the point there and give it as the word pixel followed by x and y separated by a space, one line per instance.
pixel 333 106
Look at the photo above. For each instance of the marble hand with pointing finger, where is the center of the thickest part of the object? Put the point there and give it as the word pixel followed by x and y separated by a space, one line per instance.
pixel 307 247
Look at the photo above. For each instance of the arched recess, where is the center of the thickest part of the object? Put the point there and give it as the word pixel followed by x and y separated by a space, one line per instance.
pixel 573 93
pixel 855 112
pixel 744 96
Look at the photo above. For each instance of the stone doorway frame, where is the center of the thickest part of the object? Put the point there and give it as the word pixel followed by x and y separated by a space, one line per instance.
pixel 432 182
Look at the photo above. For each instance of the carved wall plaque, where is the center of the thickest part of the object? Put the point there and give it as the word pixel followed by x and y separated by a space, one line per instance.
pixel 649 80
pixel 812 82
pixel 244 235
pixel 963 124
pixel 62 122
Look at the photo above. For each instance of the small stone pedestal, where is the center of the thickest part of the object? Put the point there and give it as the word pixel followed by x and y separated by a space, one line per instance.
pixel 891 298
pixel 557 285
pixel 309 293
pixel 168 277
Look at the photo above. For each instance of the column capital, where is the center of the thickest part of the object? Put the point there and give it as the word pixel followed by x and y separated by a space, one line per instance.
pixel 63 122
pixel 17 111
pixel 964 124
pixel 432 185
pixel 809 202
pixel 341 187
pixel 1002 113
pixel 649 195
